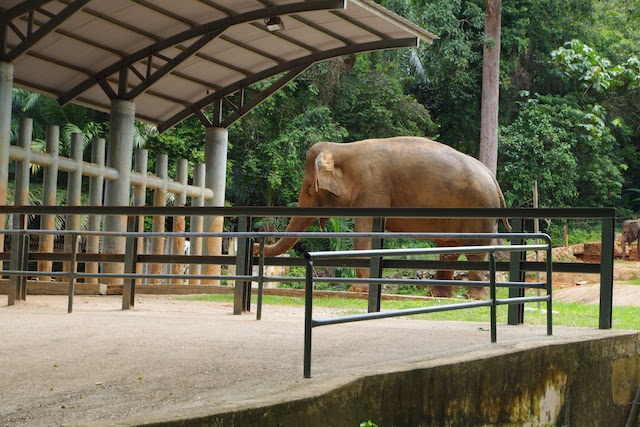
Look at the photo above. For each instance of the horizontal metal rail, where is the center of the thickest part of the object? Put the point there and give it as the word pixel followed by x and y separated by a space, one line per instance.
pixel 260 278
pixel 606 216
pixel 492 302
pixel 316 212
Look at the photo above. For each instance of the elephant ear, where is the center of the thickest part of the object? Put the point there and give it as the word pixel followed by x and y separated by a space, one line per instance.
pixel 326 174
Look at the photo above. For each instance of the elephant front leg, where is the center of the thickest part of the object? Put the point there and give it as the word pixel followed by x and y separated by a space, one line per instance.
pixel 361 225
pixel 444 291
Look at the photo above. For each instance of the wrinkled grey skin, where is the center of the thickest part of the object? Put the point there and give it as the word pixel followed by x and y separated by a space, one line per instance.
pixel 400 172
pixel 630 232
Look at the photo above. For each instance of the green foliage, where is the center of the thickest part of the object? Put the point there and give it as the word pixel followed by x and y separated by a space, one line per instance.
pixel 269 172
pixel 185 141
pixel 568 150
pixel 446 76
pixel 45 111
pixel 584 65
pixel 582 231
pixel 579 137
pixel 369 101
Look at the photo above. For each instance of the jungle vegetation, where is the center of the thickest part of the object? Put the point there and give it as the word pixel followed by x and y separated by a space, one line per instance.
pixel 569 105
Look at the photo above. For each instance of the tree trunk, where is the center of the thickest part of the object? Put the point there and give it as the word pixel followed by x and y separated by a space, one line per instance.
pixel 490 87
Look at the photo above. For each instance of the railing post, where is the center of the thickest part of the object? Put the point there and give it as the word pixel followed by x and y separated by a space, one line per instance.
pixel 130 263
pixel 516 311
pixel 308 317
pixel 74 193
pixel 492 294
pixel 19 261
pixel 12 290
pixel 49 186
pixel 96 191
pixel 242 298
pixel 606 272
pixel 260 280
pixel 549 287
pixel 73 268
pixel 24 261
pixel 375 267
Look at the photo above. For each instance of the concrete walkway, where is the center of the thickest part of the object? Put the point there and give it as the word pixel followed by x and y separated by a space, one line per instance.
pixel 171 359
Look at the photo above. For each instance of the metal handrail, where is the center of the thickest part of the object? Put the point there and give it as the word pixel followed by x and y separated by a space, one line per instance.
pixel 607 217
pixel 492 302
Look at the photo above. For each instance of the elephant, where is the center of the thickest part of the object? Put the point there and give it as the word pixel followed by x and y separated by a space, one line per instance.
pixel 630 233
pixel 399 172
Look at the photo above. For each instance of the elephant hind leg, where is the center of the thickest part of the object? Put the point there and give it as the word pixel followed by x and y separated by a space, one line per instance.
pixel 476 292
pixel 444 291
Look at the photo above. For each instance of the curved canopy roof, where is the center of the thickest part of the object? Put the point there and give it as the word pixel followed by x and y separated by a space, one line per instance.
pixel 175 57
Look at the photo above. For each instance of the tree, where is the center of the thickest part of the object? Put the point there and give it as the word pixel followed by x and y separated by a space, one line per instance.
pixel 567 149
pixel 488 152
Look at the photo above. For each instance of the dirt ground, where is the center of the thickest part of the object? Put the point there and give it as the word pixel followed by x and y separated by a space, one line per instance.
pixel 170 358
pixel 585 288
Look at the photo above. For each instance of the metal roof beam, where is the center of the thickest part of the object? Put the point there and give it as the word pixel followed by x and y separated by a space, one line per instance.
pixel 211 27
pixel 19 10
pixel 45 29
pixel 262 96
pixel 305 62
pixel 169 66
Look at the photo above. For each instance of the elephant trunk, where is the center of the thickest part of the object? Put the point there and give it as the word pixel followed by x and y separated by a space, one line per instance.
pixel 296 224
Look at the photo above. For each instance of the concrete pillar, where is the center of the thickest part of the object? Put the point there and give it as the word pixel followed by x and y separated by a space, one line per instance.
pixel 179 221
pixel 159 199
pixel 215 155
pixel 74 191
pixel 195 245
pixel 6 84
pixel 17 285
pixel 23 168
pixel 140 199
pixel 96 190
pixel 117 192
pixel 49 192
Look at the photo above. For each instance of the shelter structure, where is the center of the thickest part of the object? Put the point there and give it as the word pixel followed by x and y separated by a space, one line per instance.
pixel 161 61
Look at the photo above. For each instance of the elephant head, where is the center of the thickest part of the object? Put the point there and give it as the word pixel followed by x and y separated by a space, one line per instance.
pixel 322 185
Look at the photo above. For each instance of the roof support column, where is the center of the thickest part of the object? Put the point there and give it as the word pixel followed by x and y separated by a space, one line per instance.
pixel 117 192
pixel 6 84
pixel 215 158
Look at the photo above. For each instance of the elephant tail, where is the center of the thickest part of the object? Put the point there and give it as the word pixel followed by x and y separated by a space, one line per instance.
pixel 505 221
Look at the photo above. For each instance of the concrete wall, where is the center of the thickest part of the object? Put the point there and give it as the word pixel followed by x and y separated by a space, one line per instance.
pixel 588 383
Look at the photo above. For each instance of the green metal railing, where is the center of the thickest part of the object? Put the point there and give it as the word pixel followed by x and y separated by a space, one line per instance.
pixel 244 259
pixel 492 302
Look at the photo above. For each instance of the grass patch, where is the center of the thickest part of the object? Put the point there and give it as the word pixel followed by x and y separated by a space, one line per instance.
pixel 564 313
